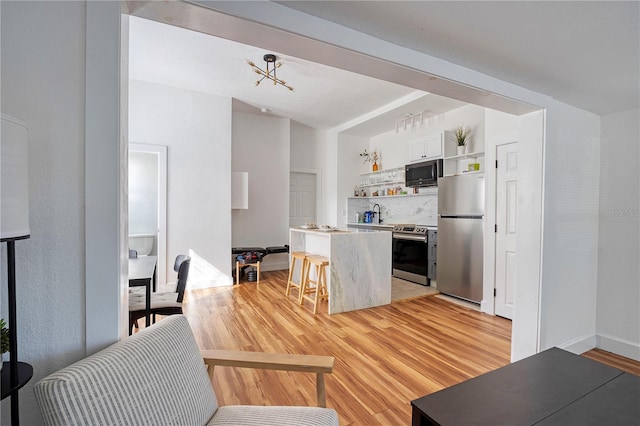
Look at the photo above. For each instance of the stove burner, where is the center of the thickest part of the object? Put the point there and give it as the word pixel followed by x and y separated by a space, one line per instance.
pixel 410 229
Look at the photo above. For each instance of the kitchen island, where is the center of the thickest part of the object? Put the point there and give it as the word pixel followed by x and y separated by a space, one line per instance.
pixel 359 274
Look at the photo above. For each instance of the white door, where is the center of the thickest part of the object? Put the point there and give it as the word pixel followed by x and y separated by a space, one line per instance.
pixel 506 222
pixel 302 198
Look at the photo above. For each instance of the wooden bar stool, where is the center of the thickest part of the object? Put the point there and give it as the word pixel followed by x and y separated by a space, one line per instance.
pixel 302 256
pixel 320 289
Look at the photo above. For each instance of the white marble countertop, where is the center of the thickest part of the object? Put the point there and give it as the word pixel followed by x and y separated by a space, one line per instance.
pixel 384 226
pixel 317 231
pixel 380 226
pixel 338 231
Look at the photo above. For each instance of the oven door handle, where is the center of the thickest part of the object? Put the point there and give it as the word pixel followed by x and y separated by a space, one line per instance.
pixel 410 237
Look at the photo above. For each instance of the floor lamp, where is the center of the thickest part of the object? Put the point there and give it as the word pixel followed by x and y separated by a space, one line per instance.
pixel 14 226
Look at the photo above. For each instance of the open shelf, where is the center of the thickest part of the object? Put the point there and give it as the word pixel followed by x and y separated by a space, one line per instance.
pixel 457 164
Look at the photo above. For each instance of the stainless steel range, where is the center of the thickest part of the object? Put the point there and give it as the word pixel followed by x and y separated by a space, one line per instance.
pixel 410 253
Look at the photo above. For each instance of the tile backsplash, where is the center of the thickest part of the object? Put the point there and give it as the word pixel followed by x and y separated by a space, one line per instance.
pixel 420 209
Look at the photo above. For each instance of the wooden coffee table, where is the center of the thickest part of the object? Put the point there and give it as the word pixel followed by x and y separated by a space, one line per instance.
pixel 554 387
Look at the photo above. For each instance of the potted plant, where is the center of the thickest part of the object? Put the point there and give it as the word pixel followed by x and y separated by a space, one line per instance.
pixel 462 138
pixel 4 338
pixel 370 158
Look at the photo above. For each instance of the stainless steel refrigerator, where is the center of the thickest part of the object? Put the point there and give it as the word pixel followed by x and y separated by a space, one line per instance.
pixel 460 236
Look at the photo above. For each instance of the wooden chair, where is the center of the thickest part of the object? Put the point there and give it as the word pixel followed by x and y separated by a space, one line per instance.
pixel 159 377
pixel 165 303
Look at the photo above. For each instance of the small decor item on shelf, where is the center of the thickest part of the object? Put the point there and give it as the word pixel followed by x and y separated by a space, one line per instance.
pixel 474 167
pixel 462 138
pixel 370 158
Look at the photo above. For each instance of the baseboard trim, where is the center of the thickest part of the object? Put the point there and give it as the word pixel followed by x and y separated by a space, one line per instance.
pixel 619 346
pixel 580 345
pixel 611 344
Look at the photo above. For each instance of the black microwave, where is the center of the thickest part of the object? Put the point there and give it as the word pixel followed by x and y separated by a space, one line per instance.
pixel 425 173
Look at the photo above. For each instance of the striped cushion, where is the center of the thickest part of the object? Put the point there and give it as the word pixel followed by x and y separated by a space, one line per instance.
pixel 250 415
pixel 156 377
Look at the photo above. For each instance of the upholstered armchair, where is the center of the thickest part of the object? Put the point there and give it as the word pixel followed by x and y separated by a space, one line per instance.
pixel 159 377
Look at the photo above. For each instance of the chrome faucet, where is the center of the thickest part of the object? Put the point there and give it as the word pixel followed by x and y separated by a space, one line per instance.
pixel 379 213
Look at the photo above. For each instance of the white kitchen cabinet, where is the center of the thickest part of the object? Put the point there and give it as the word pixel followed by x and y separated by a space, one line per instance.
pixel 428 147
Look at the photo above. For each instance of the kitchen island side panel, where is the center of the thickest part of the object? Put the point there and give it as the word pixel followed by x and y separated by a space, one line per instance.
pixel 359 273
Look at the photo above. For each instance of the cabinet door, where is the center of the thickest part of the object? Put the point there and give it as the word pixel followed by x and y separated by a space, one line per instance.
pixel 434 148
pixel 417 150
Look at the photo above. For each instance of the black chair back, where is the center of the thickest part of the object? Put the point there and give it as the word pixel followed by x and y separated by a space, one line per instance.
pixel 183 274
pixel 179 259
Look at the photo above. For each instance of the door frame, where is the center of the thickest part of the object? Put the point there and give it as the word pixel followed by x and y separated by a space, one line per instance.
pixel 318 174
pixel 161 152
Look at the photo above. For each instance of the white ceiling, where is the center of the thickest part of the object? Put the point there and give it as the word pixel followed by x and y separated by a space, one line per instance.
pixel 584 53
pixel 324 97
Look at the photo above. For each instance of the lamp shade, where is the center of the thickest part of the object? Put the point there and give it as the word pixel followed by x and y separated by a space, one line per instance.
pixel 14 207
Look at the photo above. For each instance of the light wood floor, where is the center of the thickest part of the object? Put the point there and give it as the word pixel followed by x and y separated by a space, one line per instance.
pixel 404 290
pixel 385 356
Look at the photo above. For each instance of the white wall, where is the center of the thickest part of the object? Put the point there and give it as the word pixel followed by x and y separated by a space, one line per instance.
pixel 618 310
pixel 570 252
pixel 46 90
pixel 196 128
pixel 306 147
pixel 307 151
pixel 350 165
pixel 261 148
pixel 331 205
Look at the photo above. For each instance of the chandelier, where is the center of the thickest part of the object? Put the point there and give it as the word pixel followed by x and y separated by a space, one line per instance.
pixel 270 73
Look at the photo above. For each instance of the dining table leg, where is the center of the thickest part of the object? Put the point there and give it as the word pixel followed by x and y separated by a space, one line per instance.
pixel 148 304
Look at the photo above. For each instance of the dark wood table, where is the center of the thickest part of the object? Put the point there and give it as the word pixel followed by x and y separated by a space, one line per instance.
pixel 554 387
pixel 142 273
